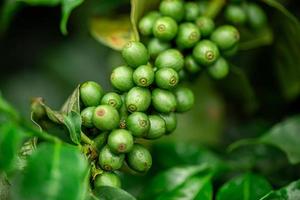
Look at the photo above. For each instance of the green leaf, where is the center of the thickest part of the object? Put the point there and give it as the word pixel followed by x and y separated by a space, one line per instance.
pixel 72 103
pixel 7 109
pixel 112 32
pixel 11 137
pixel 67 7
pixel 290 192
pixel 138 9
pixel 170 180
pixel 73 123
pixel 7 11
pixel 111 193
pixel 285 136
pixel 198 187
pixel 247 187
pixel 54 172
pixel 42 2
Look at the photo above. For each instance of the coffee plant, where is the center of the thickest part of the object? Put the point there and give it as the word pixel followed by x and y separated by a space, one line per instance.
pixel 117 143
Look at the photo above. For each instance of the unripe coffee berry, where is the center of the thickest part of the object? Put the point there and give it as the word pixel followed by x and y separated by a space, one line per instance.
pixel 120 141
pixel 191 65
pixel 225 37
pixel 185 99
pixel 172 8
pixel 107 179
pixel 206 52
pixel 121 78
pixel 156 46
pixel 171 121
pixel 206 25
pixel 138 99
pixel 100 140
pixel 188 35
pixel 139 159
pixel 256 16
pixel 147 22
pixel 166 78
pixel 91 93
pixel 219 69
pixel 135 54
pixel 106 117
pixel 171 58
pixel 112 99
pixel 157 127
pixel 165 28
pixel 87 116
pixel 138 123
pixel 110 161
pixel 163 100
pixel 235 14
pixel 143 75
pixel 191 11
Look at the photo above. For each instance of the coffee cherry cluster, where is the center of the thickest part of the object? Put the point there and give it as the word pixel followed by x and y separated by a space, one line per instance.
pixel 180 29
pixel 147 95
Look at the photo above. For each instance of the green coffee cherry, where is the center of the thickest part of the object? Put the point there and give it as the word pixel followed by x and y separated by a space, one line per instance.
pixel 235 14
pixel 182 75
pixel 188 35
pixel 165 28
pixel 256 16
pixel 121 78
pixel 191 11
pixel 171 58
pixel 156 46
pixel 120 141
pixel 135 54
pixel 106 117
pixel 172 8
pixel 110 161
pixel 143 75
pixel 191 65
pixel 100 140
pixel 166 78
pixel 157 127
pixel 112 99
pixel 171 121
pixel 107 179
pixel 138 123
pixel 206 25
pixel 219 69
pixel 87 116
pixel 146 23
pixel 230 52
pixel 139 159
pixel 138 99
pixel 225 37
pixel 185 99
pixel 163 100
pixel 91 93
pixel 206 52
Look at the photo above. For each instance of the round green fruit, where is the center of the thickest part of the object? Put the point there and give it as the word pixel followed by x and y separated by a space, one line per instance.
pixel 163 100
pixel 166 78
pixel 138 123
pixel 121 78
pixel 112 99
pixel 206 52
pixel 206 25
pixel 139 159
pixel 91 93
pixel 171 58
pixel 106 117
pixel 138 99
pixel 190 65
pixel 235 14
pixel 165 28
pixel 110 161
pixel 172 8
pixel 107 179
pixel 185 99
pixel 219 69
pixel 157 127
pixel 156 46
pixel 143 75
pixel 225 37
pixel 188 35
pixel 171 121
pixel 87 116
pixel 146 23
pixel 135 54
pixel 120 141
pixel 191 11
pixel 257 17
